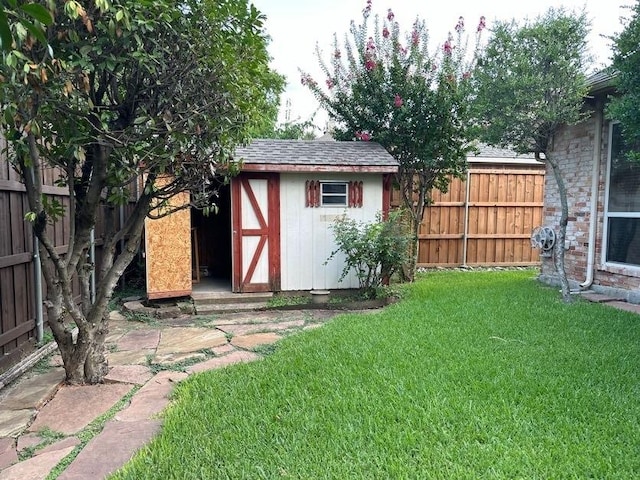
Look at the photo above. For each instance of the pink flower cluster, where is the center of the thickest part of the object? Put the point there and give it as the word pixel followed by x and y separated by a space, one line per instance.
pixel 363 136
pixel 390 15
pixel 460 25
pixel 369 55
pixel 307 79
pixel 330 83
pixel 385 32
pixel 482 24
pixel 397 101
pixel 367 9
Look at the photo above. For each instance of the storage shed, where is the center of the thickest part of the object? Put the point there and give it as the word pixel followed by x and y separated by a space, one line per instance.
pixel 273 229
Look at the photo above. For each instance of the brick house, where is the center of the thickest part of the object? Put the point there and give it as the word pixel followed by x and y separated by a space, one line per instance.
pixel 602 248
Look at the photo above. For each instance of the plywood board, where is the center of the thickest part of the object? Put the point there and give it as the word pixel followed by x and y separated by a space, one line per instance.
pixel 168 252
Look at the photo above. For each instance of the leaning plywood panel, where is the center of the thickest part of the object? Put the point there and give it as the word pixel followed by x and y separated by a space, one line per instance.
pixel 168 252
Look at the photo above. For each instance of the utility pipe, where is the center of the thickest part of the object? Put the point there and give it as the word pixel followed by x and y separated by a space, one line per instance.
pixel 37 273
pixel 593 210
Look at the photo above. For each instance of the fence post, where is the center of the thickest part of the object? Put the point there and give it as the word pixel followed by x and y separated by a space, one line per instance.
pixel 465 235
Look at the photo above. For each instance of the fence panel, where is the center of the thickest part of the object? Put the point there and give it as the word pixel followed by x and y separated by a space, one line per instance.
pixel 483 220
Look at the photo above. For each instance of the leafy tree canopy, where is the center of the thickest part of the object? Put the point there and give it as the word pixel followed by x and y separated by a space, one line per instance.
pixel 118 91
pixel 626 63
pixel 529 82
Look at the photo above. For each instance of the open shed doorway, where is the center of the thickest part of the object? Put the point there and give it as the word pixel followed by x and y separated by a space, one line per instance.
pixel 211 242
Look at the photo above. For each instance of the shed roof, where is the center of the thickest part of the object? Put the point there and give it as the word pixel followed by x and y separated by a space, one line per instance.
pixel 268 155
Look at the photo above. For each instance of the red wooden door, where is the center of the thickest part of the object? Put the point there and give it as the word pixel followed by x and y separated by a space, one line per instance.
pixel 256 232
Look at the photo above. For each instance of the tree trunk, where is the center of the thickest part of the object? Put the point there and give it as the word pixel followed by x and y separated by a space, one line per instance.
pixel 562 230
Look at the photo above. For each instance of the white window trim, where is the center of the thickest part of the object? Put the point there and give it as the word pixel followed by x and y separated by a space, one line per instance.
pixel 613 267
pixel 334 205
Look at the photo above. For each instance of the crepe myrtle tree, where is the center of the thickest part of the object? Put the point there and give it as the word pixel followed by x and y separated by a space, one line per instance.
pixel 387 86
pixel 120 92
pixel 529 82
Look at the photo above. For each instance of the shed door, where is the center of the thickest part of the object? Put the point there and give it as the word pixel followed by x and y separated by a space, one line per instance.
pixel 256 232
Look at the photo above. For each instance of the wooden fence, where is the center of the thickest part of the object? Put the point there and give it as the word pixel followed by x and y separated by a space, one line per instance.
pixel 17 280
pixel 485 219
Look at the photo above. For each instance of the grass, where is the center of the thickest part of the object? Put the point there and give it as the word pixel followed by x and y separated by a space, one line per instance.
pixel 472 375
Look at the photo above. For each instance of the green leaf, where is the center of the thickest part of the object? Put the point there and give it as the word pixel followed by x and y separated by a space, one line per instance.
pixel 5 32
pixel 38 12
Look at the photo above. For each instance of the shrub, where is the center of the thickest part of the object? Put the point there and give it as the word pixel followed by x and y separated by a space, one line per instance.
pixel 375 250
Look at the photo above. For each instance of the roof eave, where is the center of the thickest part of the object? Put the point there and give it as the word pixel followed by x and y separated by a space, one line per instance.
pixel 317 168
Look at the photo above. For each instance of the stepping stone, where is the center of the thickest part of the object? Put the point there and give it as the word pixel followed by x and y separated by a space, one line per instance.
pixel 152 398
pixel 75 407
pixel 263 327
pixel 629 307
pixel 28 440
pixel 13 422
pixel 136 374
pixel 114 447
pixel 219 362
pixel 139 340
pixel 37 467
pixel 251 341
pixel 223 349
pixel 130 357
pixel 185 339
pixel 171 358
pixel 8 454
pixel 34 392
pixel 60 445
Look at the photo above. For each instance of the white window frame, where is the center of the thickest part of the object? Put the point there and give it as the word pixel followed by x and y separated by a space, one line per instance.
pixel 608 215
pixel 334 195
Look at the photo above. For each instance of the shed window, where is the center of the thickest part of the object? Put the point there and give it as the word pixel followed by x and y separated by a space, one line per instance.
pixel 333 194
pixel 622 215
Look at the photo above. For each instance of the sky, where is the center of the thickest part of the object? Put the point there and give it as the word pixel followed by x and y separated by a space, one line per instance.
pixel 297 26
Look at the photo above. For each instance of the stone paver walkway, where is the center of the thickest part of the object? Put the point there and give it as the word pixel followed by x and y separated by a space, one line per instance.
pixel 42 421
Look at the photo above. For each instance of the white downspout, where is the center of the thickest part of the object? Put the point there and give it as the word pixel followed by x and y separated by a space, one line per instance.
pixel 593 210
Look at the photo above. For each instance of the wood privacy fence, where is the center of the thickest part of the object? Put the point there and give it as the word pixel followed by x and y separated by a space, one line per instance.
pixel 17 280
pixel 485 219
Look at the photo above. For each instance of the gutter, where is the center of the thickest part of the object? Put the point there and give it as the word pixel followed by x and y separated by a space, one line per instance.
pixel 593 208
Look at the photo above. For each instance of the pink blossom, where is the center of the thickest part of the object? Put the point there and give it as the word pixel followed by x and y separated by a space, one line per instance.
pixel 363 136
pixel 460 25
pixel 337 54
pixel 367 9
pixel 415 38
pixel 390 15
pixel 370 64
pixel 371 46
pixel 385 32
pixel 397 101
pixel 330 83
pixel 448 48
pixel 466 75
pixel 482 24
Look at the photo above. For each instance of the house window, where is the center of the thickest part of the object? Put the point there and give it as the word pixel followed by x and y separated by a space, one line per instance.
pixel 622 215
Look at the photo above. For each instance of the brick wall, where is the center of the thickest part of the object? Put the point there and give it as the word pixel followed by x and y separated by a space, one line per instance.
pixel 574 150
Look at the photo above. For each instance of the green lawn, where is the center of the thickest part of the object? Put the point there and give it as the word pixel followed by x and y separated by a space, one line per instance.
pixel 473 375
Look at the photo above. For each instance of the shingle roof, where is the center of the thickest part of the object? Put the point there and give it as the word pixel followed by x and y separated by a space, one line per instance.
pixel 310 155
pixel 601 81
pixel 490 152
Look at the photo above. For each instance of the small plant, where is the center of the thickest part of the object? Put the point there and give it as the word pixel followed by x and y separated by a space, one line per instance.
pixel 374 250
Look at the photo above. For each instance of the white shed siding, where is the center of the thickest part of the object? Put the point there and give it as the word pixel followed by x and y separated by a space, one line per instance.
pixel 307 239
